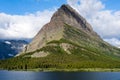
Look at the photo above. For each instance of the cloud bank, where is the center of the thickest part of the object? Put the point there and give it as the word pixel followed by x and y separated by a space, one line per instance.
pixel 22 26
pixel 105 22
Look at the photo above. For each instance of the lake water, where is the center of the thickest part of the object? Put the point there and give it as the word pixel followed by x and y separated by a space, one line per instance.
pixel 27 75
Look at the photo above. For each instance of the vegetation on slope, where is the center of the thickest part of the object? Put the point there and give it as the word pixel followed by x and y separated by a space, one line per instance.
pixel 85 52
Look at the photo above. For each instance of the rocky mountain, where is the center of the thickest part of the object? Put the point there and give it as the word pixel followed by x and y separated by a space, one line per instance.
pixel 55 29
pixel 9 48
pixel 66 42
pixel 67 27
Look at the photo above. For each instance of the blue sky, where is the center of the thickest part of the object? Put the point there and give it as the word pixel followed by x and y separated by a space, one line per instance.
pixel 28 6
pixel 112 4
pixel 21 7
pixel 24 18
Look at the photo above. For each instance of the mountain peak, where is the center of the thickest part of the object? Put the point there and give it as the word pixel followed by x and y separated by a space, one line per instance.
pixel 66 42
pixel 66 14
pixel 66 6
pixel 56 28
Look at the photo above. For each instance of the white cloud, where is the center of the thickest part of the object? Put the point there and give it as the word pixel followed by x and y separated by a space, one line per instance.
pixel 113 41
pixel 105 22
pixel 7 42
pixel 86 8
pixel 23 26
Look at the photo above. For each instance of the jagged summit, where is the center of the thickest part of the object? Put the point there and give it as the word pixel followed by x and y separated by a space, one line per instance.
pixel 54 30
pixel 66 11
pixel 66 14
pixel 67 32
pixel 66 6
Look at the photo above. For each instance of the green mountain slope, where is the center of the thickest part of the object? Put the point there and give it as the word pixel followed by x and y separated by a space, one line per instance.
pixel 67 42
pixel 66 54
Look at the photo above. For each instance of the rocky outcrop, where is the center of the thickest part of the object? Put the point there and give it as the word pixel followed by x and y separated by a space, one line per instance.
pixel 54 29
pixel 69 33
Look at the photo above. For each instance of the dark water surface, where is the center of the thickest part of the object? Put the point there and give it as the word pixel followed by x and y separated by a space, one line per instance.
pixel 27 75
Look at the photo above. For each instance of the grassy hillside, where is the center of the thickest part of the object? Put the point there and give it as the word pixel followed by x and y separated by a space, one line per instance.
pixel 75 50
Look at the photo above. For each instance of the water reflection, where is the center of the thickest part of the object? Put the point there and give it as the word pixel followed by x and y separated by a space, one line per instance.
pixel 27 75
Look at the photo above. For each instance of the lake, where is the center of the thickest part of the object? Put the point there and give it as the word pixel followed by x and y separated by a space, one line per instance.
pixel 29 75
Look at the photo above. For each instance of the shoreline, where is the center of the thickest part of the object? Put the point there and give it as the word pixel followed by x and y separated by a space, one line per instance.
pixel 68 70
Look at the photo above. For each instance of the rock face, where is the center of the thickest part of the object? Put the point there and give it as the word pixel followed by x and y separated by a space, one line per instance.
pixel 54 29
pixel 67 31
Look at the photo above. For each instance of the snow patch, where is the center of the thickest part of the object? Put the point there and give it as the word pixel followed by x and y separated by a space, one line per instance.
pixel 7 42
